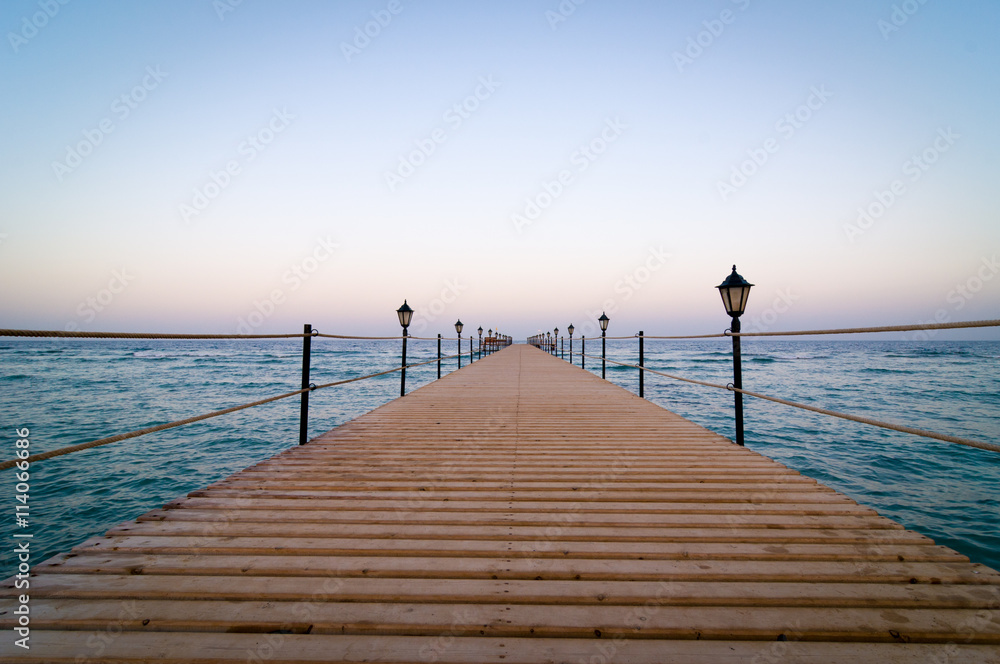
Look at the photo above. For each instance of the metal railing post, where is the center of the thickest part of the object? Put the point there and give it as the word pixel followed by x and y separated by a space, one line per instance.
pixel 604 346
pixel 402 373
pixel 583 352
pixel 439 355
pixel 737 382
pixel 304 407
pixel 470 349
pixel 459 358
pixel 642 363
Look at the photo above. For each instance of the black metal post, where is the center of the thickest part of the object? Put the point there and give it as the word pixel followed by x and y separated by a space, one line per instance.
pixel 603 354
pixel 460 351
pixel 571 349
pixel 480 345
pixel 642 363
pixel 470 349
pixel 737 381
pixel 402 373
pixel 562 348
pixel 583 352
pixel 304 408
pixel 439 355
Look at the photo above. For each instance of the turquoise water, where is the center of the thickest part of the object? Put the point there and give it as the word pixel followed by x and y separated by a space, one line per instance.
pixel 69 391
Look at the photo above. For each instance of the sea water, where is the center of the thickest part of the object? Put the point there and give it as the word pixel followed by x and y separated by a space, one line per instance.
pixel 68 391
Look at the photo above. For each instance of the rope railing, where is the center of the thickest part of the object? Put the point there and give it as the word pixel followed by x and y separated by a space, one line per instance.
pixel 140 335
pixel 198 418
pixel 169 335
pixel 844 330
pixel 395 338
pixel 348 336
pixel 846 416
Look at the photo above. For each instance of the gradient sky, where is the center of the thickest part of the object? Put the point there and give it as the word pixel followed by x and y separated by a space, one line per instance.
pixel 118 116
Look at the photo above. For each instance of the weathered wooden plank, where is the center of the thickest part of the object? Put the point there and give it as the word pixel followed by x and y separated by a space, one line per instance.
pixel 195 648
pixel 620 520
pixel 567 531
pixel 316 614
pixel 758 496
pixel 523 568
pixel 737 505
pixel 333 546
pixel 488 591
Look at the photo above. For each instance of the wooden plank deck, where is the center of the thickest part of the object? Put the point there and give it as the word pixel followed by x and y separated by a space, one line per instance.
pixel 517 511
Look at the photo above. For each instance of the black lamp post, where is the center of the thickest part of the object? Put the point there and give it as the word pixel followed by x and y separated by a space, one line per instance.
pixel 480 342
pixel 735 290
pixel 405 313
pixel 489 341
pixel 458 330
pixel 555 340
pixel 570 330
pixel 603 320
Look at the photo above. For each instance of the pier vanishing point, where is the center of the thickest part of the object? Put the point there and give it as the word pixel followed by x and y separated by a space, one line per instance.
pixel 520 510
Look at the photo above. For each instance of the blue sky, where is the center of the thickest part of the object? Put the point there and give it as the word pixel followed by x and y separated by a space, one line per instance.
pixel 211 166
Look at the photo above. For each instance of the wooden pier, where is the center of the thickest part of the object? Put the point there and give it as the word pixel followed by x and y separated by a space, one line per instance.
pixel 518 511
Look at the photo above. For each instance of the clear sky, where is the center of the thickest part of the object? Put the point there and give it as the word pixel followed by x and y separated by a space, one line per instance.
pixel 200 165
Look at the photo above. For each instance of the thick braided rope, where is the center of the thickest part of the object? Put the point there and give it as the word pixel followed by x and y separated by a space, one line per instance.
pixel 190 420
pixel 166 335
pixel 141 432
pixel 823 411
pixel 347 336
pixel 845 330
pixel 140 335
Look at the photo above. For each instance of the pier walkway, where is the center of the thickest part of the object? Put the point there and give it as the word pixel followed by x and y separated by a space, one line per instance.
pixel 518 511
